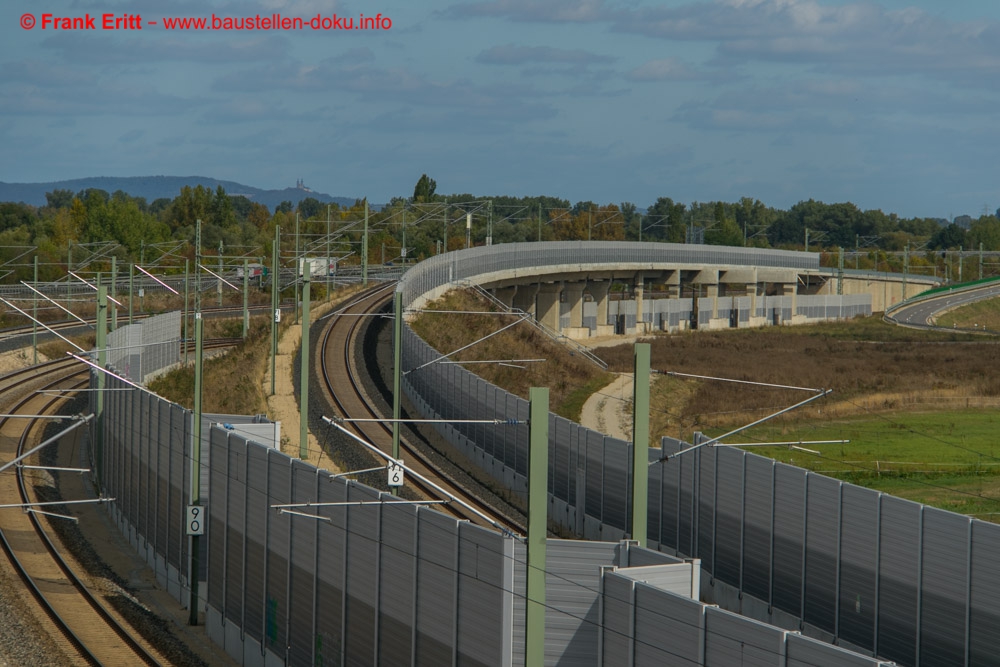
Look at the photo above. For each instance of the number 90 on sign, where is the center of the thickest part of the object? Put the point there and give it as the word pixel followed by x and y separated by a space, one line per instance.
pixel 395 471
pixel 195 520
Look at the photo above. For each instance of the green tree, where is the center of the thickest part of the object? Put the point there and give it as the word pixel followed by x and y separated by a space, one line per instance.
pixel 310 207
pixel 951 236
pixel 424 190
pixel 59 198
pixel 985 230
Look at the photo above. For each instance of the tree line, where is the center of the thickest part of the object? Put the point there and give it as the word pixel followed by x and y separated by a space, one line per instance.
pixel 430 222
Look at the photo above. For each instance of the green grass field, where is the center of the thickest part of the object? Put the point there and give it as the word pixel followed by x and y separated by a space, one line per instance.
pixel 945 459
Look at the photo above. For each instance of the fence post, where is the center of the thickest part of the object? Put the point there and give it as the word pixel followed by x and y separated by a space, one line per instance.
pixel 101 340
pixel 640 443
pixel 195 493
pixel 397 371
pixel 304 375
pixel 538 464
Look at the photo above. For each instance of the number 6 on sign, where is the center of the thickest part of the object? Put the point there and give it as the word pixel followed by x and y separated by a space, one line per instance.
pixel 395 470
pixel 195 520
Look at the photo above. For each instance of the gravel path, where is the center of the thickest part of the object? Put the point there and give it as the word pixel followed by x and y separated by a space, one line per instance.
pixel 609 411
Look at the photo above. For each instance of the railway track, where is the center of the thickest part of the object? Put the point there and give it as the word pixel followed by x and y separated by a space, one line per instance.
pixel 88 632
pixel 11 334
pixel 345 390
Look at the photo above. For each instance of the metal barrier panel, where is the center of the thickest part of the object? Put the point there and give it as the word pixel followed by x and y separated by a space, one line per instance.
pixel 480 609
pixel 302 567
pixel 161 537
pixel 670 494
pixel 278 536
pixel 687 466
pixel 789 537
pixel 616 488
pixel 822 549
pixel 217 520
pixel 594 476
pixel 706 510
pixel 398 590
pixel 519 588
pixel 984 592
pixel 331 580
pixel 731 639
pixel 235 529
pixel 757 512
pixel 559 461
pixel 572 592
pixel 437 544
pixel 944 587
pixel 898 579
pixel 362 577
pixel 616 616
pixel 258 515
pixel 669 629
pixel 179 480
pixel 802 651
pixel 858 565
pixel 654 499
pixel 728 515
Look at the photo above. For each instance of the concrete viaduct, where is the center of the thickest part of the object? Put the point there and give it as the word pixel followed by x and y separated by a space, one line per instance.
pixel 549 279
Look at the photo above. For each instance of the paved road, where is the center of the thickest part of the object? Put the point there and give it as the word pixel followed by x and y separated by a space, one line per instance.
pixel 920 313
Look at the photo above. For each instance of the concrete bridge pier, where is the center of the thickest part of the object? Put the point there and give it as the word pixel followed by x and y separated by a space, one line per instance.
pixel 708 282
pixel 641 326
pixel 673 284
pixel 574 297
pixel 547 304
pixel 524 298
pixel 506 295
pixel 790 289
pixel 599 290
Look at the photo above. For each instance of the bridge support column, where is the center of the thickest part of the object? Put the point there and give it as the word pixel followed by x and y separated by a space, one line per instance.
pixel 524 298
pixel 791 289
pixel 506 295
pixel 673 285
pixel 574 297
pixel 599 290
pixel 712 292
pixel 547 307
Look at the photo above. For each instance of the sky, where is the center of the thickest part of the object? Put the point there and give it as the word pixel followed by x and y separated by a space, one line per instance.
pixel 888 104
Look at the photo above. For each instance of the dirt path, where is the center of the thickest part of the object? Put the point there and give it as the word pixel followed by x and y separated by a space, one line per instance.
pixel 609 410
pixel 282 406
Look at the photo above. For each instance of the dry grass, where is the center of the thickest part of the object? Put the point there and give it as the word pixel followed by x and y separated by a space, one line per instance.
pixel 978 315
pixel 232 381
pixel 570 378
pixel 864 375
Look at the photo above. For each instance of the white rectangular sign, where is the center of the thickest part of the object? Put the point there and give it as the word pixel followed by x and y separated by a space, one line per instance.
pixel 195 520
pixel 395 471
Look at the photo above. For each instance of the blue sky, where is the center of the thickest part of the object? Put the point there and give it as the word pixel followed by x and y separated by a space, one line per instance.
pixel 889 104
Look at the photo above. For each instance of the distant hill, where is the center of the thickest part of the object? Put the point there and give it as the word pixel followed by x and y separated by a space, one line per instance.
pixel 156 187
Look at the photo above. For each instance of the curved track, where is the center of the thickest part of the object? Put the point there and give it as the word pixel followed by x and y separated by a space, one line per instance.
pixel 89 630
pixel 343 386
